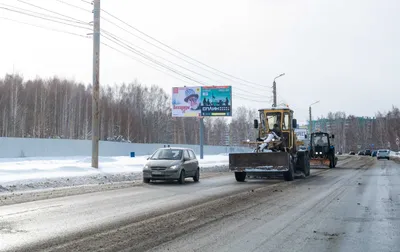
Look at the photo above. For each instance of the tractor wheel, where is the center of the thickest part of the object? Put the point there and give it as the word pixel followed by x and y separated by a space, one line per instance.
pixel 306 166
pixel 303 164
pixel 331 161
pixel 240 176
pixel 289 175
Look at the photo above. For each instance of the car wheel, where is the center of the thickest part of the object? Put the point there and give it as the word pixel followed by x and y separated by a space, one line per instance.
pixel 146 180
pixel 196 177
pixel 181 179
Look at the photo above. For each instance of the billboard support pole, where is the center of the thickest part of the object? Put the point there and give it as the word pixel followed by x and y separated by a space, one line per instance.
pixel 201 137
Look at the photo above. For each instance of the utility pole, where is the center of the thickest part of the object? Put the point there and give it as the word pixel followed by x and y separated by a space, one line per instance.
pixel 310 119
pixel 96 84
pixel 274 89
pixel 274 92
pixel 310 122
pixel 201 137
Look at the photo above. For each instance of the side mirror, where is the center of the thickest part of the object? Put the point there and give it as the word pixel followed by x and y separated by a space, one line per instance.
pixel 294 124
pixel 255 123
pixel 148 158
pixel 333 136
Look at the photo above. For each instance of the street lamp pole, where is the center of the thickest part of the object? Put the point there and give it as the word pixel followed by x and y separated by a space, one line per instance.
pixel 310 119
pixel 274 88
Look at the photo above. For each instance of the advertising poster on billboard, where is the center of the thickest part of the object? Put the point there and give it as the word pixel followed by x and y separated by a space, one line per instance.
pixel 216 101
pixel 186 102
pixel 202 101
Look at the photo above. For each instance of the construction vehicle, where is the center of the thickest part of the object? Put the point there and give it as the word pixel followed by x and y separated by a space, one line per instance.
pixel 276 150
pixel 322 150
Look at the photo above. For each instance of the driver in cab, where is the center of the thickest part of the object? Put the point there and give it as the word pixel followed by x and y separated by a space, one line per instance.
pixel 277 130
pixel 320 142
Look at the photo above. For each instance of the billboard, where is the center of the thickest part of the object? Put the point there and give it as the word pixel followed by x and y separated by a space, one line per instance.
pixel 202 101
pixel 186 101
pixel 301 133
pixel 216 101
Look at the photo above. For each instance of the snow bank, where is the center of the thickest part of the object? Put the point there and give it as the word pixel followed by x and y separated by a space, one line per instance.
pixel 18 169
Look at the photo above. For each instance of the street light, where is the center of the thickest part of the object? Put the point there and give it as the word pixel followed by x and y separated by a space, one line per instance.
pixel 274 88
pixel 310 121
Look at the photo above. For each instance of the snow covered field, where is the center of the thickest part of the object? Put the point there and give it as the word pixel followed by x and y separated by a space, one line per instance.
pixel 38 173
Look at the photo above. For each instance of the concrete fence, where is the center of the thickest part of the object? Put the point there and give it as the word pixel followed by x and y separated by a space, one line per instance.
pixel 35 147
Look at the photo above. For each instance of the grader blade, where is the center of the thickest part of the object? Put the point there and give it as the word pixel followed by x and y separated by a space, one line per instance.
pixel 319 163
pixel 259 162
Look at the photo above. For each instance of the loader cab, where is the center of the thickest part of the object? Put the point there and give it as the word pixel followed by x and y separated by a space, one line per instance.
pixel 281 117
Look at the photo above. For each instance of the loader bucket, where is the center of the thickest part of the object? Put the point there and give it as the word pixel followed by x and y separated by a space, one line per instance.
pixel 259 162
pixel 319 163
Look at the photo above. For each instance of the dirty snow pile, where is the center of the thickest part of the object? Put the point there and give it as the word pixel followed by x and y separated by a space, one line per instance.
pixel 36 173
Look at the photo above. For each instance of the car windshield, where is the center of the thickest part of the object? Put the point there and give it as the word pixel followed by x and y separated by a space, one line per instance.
pixel 167 154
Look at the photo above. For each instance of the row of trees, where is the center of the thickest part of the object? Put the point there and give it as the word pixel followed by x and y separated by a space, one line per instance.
pixel 353 133
pixel 57 108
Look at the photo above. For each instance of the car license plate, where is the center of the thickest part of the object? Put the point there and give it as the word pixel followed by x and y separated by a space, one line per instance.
pixel 157 173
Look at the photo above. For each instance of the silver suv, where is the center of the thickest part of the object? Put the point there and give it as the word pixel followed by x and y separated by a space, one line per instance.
pixel 383 154
pixel 172 164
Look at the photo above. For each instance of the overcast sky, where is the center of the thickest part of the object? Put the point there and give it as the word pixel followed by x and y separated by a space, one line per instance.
pixel 344 53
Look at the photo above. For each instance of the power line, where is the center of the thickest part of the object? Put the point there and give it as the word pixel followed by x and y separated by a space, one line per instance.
pixel 258 101
pixel 187 69
pixel 42 14
pixel 48 19
pixel 254 84
pixel 144 63
pixel 126 42
pixel 81 22
pixel 154 61
pixel 86 2
pixel 157 62
pixel 46 28
pixel 163 66
pixel 74 6
pixel 54 12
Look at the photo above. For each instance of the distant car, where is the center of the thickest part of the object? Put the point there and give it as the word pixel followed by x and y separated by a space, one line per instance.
pixel 338 153
pixel 367 153
pixel 172 164
pixel 361 153
pixel 352 153
pixel 383 154
pixel 374 153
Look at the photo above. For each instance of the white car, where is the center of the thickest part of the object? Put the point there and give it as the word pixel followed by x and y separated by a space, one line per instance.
pixel 383 154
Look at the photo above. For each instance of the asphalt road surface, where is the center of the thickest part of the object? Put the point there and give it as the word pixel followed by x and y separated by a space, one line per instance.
pixel 354 207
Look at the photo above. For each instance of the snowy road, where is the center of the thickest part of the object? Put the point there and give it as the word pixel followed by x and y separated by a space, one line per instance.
pixel 349 208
